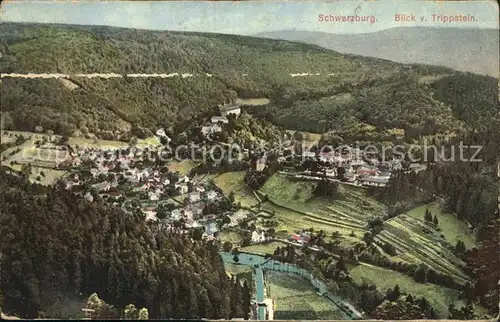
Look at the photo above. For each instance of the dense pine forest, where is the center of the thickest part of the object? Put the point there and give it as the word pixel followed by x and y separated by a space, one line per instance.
pixel 56 245
pixel 357 97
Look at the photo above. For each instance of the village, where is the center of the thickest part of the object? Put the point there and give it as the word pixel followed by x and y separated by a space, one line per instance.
pixel 139 179
pixel 143 180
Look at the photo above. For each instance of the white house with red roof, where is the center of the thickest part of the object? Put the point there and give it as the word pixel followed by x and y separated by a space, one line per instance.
pixel 300 238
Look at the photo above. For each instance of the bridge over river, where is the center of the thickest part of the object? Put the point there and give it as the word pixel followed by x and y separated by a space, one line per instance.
pixel 260 263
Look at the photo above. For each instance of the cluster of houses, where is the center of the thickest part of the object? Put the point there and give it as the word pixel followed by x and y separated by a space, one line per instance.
pixel 216 121
pixel 258 236
pixel 355 169
pixel 124 178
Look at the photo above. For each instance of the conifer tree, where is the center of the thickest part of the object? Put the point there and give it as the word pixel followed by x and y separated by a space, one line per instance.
pixel 428 215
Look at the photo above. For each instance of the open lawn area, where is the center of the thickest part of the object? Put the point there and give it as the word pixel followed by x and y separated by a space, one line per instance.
pixel 295 298
pixel 50 177
pixel 103 144
pixel 266 248
pixel 439 297
pixel 253 101
pixel 230 236
pixel 151 141
pixel 290 221
pixel 452 228
pixel 183 167
pixel 309 138
pixel 352 203
pixel 4 138
pixel 233 182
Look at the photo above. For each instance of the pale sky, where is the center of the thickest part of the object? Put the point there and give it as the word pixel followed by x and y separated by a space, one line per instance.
pixel 247 18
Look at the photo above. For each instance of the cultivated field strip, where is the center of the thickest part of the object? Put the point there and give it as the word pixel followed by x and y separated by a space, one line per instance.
pixel 333 213
pixel 417 256
pixel 383 238
pixel 436 262
pixel 363 198
pixel 425 251
pixel 349 207
pixel 345 214
pixel 333 223
pixel 427 242
pixel 430 244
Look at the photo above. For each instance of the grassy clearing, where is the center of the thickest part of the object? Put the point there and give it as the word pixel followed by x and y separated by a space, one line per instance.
pixel 439 297
pixel 295 298
pixel 7 139
pixel 183 167
pixel 253 101
pixel 24 133
pixel 355 205
pixel 151 141
pixel 230 236
pixel 50 177
pixel 290 221
pixel 233 182
pixel 202 178
pixel 452 228
pixel 16 167
pixel 267 248
pixel 103 144
pixel 281 189
pixel 309 138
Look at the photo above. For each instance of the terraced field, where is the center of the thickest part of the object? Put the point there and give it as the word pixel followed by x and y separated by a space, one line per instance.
pixel 414 246
pixel 296 207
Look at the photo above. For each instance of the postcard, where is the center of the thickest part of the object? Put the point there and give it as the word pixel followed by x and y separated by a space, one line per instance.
pixel 249 160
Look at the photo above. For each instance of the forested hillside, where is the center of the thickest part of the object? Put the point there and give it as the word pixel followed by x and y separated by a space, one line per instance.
pixel 467 49
pixel 349 94
pixel 470 191
pixel 56 245
pixel 467 188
